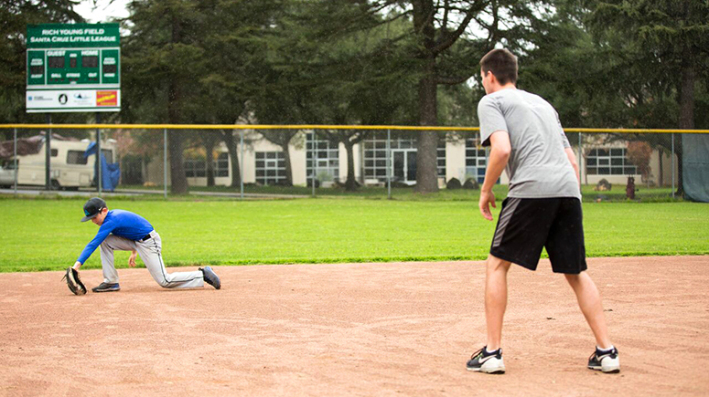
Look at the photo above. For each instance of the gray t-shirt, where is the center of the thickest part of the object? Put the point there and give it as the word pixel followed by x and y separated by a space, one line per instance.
pixel 538 166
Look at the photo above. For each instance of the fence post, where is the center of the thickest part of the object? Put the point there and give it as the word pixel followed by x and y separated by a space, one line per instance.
pixel 388 164
pixel 241 159
pixel 580 159
pixel 14 154
pixel 315 161
pixel 99 170
pixel 48 156
pixel 164 162
pixel 673 165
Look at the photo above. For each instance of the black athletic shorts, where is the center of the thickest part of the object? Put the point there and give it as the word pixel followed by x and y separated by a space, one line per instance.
pixel 526 225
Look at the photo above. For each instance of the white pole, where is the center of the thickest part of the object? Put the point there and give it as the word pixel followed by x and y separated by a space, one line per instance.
pixel 673 165
pixel 580 159
pixel 315 162
pixel 388 163
pixel 99 177
pixel 241 168
pixel 164 162
pixel 15 157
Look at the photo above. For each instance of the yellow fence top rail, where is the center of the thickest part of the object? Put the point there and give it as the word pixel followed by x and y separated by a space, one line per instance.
pixel 324 127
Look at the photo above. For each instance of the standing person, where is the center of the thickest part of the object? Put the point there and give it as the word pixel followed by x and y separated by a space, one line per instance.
pixel 542 209
pixel 125 231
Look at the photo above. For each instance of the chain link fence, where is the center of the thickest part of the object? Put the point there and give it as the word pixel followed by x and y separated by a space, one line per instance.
pixel 258 161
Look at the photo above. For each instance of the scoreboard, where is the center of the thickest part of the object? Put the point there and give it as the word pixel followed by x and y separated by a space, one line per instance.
pixel 73 68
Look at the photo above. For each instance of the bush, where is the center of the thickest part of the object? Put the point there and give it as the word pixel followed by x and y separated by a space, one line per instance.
pixel 471 183
pixel 453 183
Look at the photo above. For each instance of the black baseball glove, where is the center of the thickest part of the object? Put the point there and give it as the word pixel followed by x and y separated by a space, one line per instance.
pixel 74 282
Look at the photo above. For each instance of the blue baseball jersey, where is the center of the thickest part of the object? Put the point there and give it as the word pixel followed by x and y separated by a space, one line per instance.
pixel 122 224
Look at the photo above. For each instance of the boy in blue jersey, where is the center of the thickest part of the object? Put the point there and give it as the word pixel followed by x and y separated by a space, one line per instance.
pixel 125 231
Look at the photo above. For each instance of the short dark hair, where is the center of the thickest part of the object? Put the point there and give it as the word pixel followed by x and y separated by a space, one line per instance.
pixel 502 63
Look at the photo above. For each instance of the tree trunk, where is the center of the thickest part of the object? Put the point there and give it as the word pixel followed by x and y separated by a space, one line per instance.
pixel 426 178
pixel 234 156
pixel 686 115
pixel 427 145
pixel 289 169
pixel 351 182
pixel 175 139
pixel 209 146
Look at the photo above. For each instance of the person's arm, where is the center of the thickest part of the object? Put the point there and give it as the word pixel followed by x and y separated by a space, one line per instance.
pixel 103 232
pixel 500 150
pixel 572 159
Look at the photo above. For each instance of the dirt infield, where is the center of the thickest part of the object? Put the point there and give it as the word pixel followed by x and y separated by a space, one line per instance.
pixel 354 329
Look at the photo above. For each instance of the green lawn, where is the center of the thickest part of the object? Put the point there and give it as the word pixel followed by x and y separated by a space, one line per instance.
pixel 45 234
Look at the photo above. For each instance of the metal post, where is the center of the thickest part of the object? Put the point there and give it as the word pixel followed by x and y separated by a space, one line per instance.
pixel 14 154
pixel 580 159
pixel 99 167
pixel 241 168
pixel 314 163
pixel 48 156
pixel 673 165
pixel 164 162
pixel 388 163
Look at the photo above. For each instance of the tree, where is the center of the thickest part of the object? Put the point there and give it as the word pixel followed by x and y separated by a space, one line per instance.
pixel 673 38
pixel 161 58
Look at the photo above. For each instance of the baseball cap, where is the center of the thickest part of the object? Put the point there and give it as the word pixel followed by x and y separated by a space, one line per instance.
pixel 92 208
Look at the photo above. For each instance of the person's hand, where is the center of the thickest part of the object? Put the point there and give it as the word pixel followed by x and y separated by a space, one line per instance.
pixel 131 260
pixel 77 265
pixel 486 198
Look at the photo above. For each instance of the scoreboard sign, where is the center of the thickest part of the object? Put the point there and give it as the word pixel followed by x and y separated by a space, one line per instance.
pixel 73 68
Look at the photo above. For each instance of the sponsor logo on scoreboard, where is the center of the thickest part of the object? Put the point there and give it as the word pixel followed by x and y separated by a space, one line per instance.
pixel 106 98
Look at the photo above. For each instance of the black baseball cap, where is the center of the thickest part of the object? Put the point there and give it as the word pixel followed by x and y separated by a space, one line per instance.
pixel 92 208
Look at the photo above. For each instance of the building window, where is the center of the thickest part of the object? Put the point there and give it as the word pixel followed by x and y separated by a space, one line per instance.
pixel 270 168
pixel 221 165
pixel 76 157
pixel 441 158
pixel 195 168
pixel 475 160
pixel 327 154
pixel 609 161
pixel 375 157
pixel 403 159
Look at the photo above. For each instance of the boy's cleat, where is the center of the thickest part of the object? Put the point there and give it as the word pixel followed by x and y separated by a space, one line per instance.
pixel 107 287
pixel 487 362
pixel 210 277
pixel 607 362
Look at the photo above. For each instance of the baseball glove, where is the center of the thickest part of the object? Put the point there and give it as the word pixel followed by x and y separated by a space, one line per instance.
pixel 74 282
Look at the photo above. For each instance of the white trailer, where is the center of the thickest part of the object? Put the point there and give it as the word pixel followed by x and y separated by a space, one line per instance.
pixel 69 168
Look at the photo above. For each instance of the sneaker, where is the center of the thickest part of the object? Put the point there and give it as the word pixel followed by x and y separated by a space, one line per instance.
pixel 607 362
pixel 487 362
pixel 211 278
pixel 107 287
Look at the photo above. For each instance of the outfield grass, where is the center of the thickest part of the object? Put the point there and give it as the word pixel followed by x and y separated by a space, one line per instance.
pixel 41 234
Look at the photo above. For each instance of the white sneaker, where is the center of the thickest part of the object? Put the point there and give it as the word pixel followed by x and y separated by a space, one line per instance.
pixel 607 362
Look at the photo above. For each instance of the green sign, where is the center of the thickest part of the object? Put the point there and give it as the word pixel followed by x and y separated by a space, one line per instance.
pixel 73 67
pixel 55 35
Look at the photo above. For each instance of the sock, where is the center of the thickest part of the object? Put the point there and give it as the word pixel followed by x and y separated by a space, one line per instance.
pixel 490 353
pixel 605 350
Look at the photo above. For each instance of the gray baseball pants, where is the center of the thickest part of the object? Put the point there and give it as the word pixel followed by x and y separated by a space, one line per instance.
pixel 150 252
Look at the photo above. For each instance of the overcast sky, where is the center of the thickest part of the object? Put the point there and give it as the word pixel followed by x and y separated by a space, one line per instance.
pixel 103 11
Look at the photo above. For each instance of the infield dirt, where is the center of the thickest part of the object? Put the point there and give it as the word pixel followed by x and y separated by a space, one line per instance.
pixel 354 329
